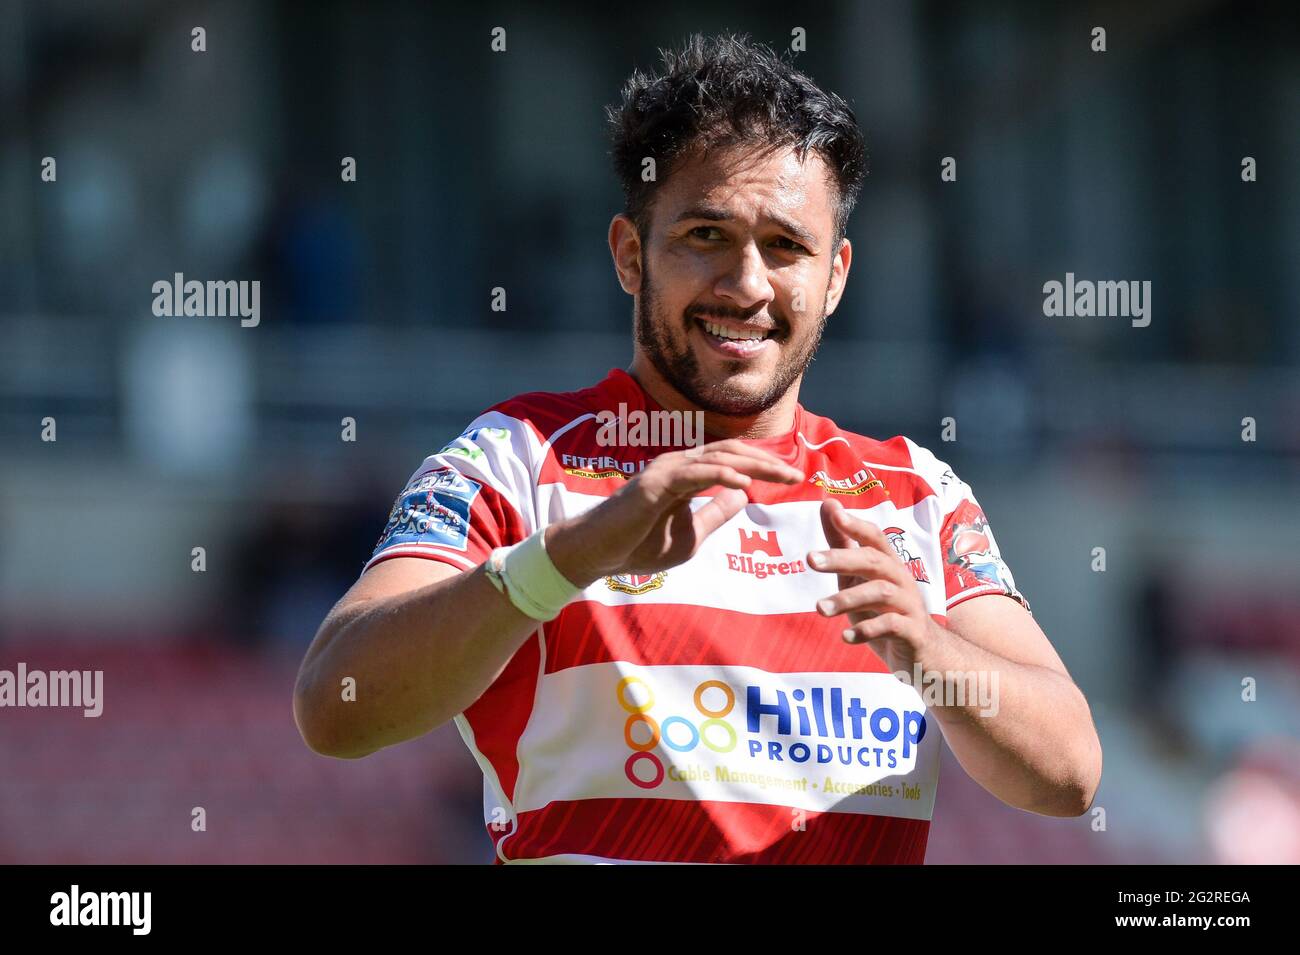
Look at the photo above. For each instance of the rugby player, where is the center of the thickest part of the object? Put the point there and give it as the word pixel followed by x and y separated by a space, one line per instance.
pixel 714 653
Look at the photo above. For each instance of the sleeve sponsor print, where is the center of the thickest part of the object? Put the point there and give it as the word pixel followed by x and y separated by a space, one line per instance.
pixel 972 562
pixel 434 508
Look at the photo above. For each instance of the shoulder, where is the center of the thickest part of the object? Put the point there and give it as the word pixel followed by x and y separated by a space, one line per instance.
pixel 899 453
pixel 544 414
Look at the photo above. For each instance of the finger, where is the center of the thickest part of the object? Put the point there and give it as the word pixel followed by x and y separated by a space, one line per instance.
pixel 742 450
pixel 835 534
pixel 734 446
pixel 885 625
pixel 693 478
pixel 869 599
pixel 721 508
pixel 864 532
pixel 864 563
pixel 761 468
pixel 636 508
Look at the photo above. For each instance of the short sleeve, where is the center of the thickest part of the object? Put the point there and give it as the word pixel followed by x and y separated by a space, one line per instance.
pixel 472 496
pixel 972 563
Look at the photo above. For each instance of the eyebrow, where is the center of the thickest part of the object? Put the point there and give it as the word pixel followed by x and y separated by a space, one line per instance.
pixel 714 214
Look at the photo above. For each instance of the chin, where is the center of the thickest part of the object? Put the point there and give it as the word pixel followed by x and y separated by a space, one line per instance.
pixel 731 397
pixel 721 369
pixel 747 383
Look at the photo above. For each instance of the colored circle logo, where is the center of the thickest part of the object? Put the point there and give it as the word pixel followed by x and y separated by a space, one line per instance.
pixel 713 700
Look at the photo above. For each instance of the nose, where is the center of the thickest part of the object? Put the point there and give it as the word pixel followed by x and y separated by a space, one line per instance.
pixel 745 282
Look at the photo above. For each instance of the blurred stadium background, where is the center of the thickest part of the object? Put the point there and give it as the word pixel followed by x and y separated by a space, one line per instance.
pixel 478 170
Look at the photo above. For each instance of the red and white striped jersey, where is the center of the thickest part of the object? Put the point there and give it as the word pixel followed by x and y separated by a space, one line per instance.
pixel 708 713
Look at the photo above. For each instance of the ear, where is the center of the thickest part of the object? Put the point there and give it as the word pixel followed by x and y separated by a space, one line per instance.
pixel 839 274
pixel 625 246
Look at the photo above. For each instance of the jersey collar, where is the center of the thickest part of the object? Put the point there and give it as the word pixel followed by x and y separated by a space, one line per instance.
pixel 619 386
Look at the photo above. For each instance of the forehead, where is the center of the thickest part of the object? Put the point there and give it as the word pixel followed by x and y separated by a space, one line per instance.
pixel 748 182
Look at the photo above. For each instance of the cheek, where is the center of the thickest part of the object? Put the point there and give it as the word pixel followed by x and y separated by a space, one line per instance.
pixel 689 272
pixel 680 280
pixel 801 296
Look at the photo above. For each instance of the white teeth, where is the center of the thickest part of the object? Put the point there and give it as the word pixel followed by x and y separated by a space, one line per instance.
pixel 746 335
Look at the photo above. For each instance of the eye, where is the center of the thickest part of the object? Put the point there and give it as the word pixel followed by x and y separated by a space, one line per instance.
pixel 785 242
pixel 702 232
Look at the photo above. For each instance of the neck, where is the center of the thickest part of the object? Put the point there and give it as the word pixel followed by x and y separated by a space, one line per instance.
pixel 776 420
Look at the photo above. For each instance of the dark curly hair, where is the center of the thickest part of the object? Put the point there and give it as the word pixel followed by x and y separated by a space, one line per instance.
pixel 725 90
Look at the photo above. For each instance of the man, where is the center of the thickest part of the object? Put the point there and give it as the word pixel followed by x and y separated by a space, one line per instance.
pixel 705 653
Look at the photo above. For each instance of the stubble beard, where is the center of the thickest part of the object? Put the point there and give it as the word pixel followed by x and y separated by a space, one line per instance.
pixel 680 368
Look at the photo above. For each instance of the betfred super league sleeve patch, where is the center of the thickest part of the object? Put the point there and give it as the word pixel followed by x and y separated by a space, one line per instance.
pixel 434 508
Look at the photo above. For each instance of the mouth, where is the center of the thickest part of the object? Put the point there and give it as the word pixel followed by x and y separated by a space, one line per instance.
pixel 736 340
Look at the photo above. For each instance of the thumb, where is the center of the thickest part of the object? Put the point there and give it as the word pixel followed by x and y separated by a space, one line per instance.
pixel 835 535
pixel 832 512
pixel 721 508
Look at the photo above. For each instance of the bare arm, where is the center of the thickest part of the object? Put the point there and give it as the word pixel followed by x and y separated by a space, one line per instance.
pixel 408 682
pixel 424 640
pixel 1040 752
pixel 1036 747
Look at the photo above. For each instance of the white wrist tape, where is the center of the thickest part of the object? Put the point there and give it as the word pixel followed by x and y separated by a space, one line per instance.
pixel 531 580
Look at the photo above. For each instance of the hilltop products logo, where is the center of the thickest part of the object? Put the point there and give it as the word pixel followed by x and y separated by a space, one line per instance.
pixel 179 297
pixel 597 468
pixel 640 429
pixel 777 723
pixel 71 688
pixel 635 584
pixel 902 729
pixel 859 483
pixel 756 542
pixel 1085 298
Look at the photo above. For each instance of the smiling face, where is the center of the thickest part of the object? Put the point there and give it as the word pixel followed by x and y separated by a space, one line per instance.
pixel 733 281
